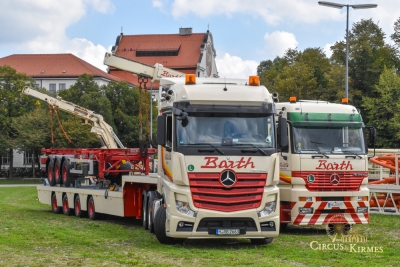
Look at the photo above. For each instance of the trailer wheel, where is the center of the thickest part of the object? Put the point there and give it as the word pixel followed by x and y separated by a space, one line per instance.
pixel 159 228
pixel 65 173
pixel 57 171
pixel 151 197
pixel 66 210
pixel 144 210
pixel 77 205
pixel 54 207
pixel 50 171
pixel 261 241
pixel 93 215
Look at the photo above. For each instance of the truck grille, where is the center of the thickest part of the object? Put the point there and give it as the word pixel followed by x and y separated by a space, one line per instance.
pixel 347 181
pixel 208 192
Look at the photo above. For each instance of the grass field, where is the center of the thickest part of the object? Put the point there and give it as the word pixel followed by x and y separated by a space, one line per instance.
pixel 31 235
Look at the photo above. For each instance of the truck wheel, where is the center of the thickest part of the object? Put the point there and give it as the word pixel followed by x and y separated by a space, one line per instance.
pixel 77 204
pixel 159 228
pixel 50 171
pixel 57 171
pixel 66 210
pixel 261 241
pixel 150 199
pixel 93 215
pixel 54 207
pixel 65 173
pixel 144 211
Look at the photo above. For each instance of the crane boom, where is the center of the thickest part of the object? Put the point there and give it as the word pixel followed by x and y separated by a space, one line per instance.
pixel 103 130
pixel 155 72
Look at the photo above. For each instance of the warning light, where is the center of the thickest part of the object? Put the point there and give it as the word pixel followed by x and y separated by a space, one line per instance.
pixel 292 99
pixel 345 100
pixel 190 79
pixel 254 81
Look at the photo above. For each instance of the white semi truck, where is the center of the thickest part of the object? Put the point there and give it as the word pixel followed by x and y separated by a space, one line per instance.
pixel 218 164
pixel 324 168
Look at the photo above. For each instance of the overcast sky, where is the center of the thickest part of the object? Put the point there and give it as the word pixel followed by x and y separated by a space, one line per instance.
pixel 245 32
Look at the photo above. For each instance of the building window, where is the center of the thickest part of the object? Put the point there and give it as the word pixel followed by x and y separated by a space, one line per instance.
pixel 36 85
pixel 5 159
pixel 52 88
pixel 157 53
pixel 27 158
pixel 61 86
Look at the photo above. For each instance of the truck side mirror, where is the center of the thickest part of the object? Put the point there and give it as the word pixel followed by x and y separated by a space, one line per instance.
pixel 161 130
pixel 282 132
pixel 372 136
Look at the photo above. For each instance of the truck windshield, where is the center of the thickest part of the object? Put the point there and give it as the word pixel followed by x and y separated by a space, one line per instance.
pixel 328 140
pixel 225 130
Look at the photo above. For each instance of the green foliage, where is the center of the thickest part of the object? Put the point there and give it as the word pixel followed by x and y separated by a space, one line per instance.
pixel 12 103
pixel 382 110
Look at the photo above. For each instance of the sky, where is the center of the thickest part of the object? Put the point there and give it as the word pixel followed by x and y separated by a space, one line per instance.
pixel 245 32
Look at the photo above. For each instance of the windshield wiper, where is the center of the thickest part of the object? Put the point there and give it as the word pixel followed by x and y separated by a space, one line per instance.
pixel 209 144
pixel 259 149
pixel 319 151
pixel 352 153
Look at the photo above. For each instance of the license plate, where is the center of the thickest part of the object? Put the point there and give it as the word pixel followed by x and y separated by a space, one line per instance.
pixel 227 231
pixel 333 204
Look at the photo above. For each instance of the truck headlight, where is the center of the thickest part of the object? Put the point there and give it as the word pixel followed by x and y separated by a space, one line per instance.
pixel 362 209
pixel 306 210
pixel 183 208
pixel 268 209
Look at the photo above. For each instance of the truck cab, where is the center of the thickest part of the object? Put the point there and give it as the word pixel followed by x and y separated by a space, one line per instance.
pixel 218 159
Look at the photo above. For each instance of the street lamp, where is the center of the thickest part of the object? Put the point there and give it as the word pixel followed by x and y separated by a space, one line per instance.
pixel 340 6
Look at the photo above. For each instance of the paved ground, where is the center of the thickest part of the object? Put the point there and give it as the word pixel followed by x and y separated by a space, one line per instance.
pixel 15 185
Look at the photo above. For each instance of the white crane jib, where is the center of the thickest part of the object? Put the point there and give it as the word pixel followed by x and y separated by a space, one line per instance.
pixel 103 131
pixel 155 73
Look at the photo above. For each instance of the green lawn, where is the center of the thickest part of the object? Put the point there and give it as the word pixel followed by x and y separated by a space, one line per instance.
pixel 31 235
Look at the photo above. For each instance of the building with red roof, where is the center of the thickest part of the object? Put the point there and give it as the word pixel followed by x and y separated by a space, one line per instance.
pixel 187 52
pixel 55 71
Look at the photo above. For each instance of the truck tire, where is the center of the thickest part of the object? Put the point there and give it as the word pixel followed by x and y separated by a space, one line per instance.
pixel 65 173
pixel 78 210
pixel 54 207
pixel 159 228
pixel 151 196
pixel 57 170
pixel 50 172
pixel 92 214
pixel 261 241
pixel 144 211
pixel 66 210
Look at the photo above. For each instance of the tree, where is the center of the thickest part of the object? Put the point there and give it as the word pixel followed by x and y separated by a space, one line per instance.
pixel 12 104
pixel 33 132
pixel 396 35
pixel 297 80
pixel 382 110
pixel 368 55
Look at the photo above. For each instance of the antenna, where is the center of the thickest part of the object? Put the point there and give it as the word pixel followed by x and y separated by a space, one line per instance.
pixel 122 29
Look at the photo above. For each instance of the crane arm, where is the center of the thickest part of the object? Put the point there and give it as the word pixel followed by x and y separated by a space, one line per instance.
pixel 155 72
pixel 103 130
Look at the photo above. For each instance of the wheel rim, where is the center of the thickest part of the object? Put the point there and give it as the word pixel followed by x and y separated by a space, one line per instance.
pixel 91 208
pixel 65 204
pixel 50 173
pixel 57 171
pixel 55 203
pixel 65 174
pixel 77 206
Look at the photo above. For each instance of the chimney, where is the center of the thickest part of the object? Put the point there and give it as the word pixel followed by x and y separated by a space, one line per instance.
pixel 185 31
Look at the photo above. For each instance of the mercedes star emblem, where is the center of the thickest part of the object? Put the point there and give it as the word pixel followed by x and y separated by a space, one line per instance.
pixel 228 178
pixel 335 179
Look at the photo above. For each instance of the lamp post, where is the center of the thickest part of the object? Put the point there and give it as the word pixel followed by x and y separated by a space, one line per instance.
pixel 340 6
